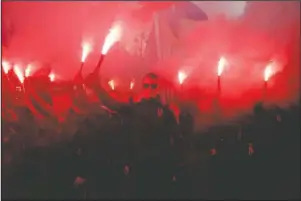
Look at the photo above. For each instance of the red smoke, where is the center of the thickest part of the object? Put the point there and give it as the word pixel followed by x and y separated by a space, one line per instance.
pixel 53 32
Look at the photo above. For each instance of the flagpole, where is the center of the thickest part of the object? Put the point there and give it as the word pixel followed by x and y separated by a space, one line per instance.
pixel 157 35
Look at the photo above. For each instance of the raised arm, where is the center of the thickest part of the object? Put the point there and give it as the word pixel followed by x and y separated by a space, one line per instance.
pixel 106 99
pixel 93 80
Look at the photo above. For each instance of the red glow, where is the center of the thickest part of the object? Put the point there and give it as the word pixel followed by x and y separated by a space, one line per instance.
pixel 86 49
pixel 113 36
pixel 6 66
pixel 245 45
pixel 19 73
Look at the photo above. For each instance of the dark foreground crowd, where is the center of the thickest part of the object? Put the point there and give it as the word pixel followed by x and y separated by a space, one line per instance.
pixel 147 154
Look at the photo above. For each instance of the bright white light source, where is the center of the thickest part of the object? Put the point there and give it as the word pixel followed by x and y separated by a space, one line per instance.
pixel 268 71
pixel 181 77
pixel 28 70
pixel 112 84
pixel 52 77
pixel 86 49
pixel 132 84
pixel 113 36
pixel 6 66
pixel 221 66
pixel 19 73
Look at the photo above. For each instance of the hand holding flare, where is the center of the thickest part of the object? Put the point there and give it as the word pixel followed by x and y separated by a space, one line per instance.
pixel 220 69
pixel 268 72
pixel 113 36
pixel 86 49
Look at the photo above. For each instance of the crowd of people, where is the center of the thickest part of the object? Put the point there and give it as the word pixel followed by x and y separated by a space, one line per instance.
pixel 142 151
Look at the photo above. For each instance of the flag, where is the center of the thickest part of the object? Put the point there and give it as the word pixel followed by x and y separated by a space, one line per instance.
pixel 151 48
pixel 184 10
pixel 166 27
pixel 41 103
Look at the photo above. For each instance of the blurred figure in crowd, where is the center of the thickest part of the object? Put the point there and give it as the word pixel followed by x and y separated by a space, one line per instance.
pixel 152 128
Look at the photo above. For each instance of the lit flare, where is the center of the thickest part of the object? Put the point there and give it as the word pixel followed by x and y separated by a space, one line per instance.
pixel 181 77
pixel 6 66
pixel 132 84
pixel 52 77
pixel 19 73
pixel 86 49
pixel 221 65
pixel 112 84
pixel 28 70
pixel 268 72
pixel 113 36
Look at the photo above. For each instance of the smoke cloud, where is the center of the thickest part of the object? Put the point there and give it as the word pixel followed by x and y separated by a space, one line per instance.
pixel 247 34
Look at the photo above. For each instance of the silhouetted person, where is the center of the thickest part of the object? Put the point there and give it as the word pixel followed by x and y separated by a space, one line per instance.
pixel 152 135
pixel 186 124
pixel 152 128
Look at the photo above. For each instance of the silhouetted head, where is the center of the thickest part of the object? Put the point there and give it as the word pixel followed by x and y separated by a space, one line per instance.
pixel 150 86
